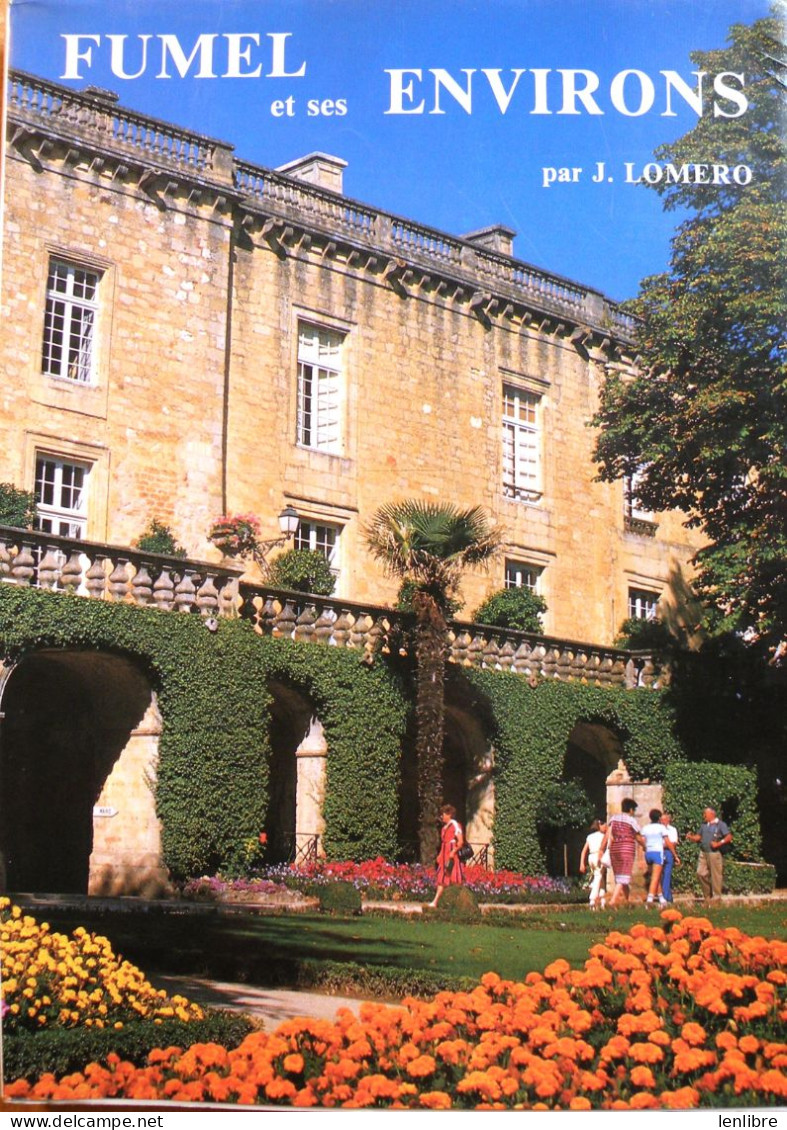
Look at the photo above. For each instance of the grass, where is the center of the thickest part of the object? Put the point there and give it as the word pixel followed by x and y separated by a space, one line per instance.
pixel 282 949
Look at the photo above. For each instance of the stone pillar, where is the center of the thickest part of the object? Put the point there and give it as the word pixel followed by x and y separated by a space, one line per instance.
pixel 481 805
pixel 126 855
pixel 311 757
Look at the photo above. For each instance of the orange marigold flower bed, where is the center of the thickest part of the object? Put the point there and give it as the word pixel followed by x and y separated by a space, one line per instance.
pixel 652 1021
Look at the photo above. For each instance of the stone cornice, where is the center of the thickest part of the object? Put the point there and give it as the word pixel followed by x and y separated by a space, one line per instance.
pixel 88 128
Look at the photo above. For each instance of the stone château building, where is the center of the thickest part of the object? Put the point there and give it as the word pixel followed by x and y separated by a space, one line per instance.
pixel 187 335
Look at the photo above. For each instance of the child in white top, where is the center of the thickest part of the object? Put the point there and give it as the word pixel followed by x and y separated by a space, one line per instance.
pixel 591 857
pixel 657 842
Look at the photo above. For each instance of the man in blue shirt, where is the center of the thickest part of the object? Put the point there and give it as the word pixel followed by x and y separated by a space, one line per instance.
pixel 713 838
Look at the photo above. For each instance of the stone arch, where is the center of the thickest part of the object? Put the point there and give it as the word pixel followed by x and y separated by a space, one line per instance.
pixel 468 774
pixel 78 753
pixel 295 823
pixel 593 749
pixel 468 769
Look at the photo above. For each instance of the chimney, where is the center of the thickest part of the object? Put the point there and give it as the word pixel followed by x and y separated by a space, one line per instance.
pixel 496 238
pixel 317 168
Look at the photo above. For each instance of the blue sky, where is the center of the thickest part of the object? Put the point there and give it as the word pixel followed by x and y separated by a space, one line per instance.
pixel 457 171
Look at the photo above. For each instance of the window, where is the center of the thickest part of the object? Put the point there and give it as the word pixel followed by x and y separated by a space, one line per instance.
pixel 322 539
pixel 643 604
pixel 520 575
pixel 61 496
pixel 521 444
pixel 319 388
pixel 70 322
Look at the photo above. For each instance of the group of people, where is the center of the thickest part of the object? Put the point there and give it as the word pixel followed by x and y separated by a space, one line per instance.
pixel 614 844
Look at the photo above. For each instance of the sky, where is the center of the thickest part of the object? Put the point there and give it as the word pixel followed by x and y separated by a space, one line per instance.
pixel 504 153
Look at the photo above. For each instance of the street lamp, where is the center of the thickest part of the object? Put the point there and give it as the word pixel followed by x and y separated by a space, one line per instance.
pixel 288 524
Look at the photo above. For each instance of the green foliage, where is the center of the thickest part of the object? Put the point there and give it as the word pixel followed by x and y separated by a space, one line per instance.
pixel 159 538
pixel 302 570
pixel 28 1055
pixel 339 898
pixel 430 545
pixel 691 787
pixel 457 904
pixel 530 729
pixel 705 424
pixel 563 805
pixel 638 634
pixel 517 608
pixel 17 507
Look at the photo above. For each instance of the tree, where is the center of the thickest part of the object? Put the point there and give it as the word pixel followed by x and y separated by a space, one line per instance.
pixel 704 425
pixel 517 608
pixel 17 507
pixel 303 570
pixel 157 537
pixel 430 545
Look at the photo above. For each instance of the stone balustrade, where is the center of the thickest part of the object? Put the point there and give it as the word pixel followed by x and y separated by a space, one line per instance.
pixel 131 576
pixel 93 117
pixel 95 114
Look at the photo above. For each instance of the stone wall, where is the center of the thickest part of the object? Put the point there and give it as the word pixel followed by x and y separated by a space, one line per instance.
pixel 207 267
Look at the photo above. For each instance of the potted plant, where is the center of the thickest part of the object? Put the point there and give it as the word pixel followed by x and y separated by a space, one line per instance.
pixel 236 535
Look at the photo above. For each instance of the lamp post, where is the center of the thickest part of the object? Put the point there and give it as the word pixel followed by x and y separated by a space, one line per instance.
pixel 288 524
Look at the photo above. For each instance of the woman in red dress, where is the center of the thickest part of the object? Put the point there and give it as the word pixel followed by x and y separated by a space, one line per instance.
pixel 450 869
pixel 622 838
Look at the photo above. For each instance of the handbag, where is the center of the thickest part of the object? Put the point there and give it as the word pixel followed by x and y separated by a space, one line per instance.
pixel 465 853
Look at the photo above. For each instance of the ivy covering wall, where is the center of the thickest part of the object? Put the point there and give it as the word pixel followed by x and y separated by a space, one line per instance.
pixel 530 730
pixel 215 703
pixel 214 750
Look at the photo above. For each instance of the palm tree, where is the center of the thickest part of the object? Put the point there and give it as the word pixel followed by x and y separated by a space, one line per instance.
pixel 430 545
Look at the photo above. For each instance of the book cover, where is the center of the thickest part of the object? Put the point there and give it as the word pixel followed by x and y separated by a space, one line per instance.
pixel 268 270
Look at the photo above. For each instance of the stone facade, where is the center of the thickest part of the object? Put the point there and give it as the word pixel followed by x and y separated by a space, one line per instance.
pixel 210 273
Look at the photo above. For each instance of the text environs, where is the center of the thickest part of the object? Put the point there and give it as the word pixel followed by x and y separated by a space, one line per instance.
pixel 547 91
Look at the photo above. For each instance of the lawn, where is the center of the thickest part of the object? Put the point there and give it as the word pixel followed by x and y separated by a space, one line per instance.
pixel 370 951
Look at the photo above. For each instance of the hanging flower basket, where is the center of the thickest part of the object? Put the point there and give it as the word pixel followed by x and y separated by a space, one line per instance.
pixel 235 535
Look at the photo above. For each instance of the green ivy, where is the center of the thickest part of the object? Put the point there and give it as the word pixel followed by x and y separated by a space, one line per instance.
pixel 518 608
pixel 17 507
pixel 302 570
pixel 530 730
pixel 692 786
pixel 214 751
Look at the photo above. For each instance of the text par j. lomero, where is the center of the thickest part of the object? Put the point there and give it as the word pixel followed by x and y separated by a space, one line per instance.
pixel 408 91
pixel 652 172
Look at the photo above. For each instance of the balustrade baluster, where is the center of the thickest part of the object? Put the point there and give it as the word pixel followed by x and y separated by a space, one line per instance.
pixel 360 630
pixel 268 613
pixel 23 566
pixel 164 590
pixel 304 625
pixel 142 585
pixel 323 626
pixel 186 592
pixel 5 559
pixel 522 658
pixel 284 627
pixel 461 646
pixel 342 628
pixel 71 573
pixel 96 578
pixel 207 596
pixel 228 597
pixel 118 581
